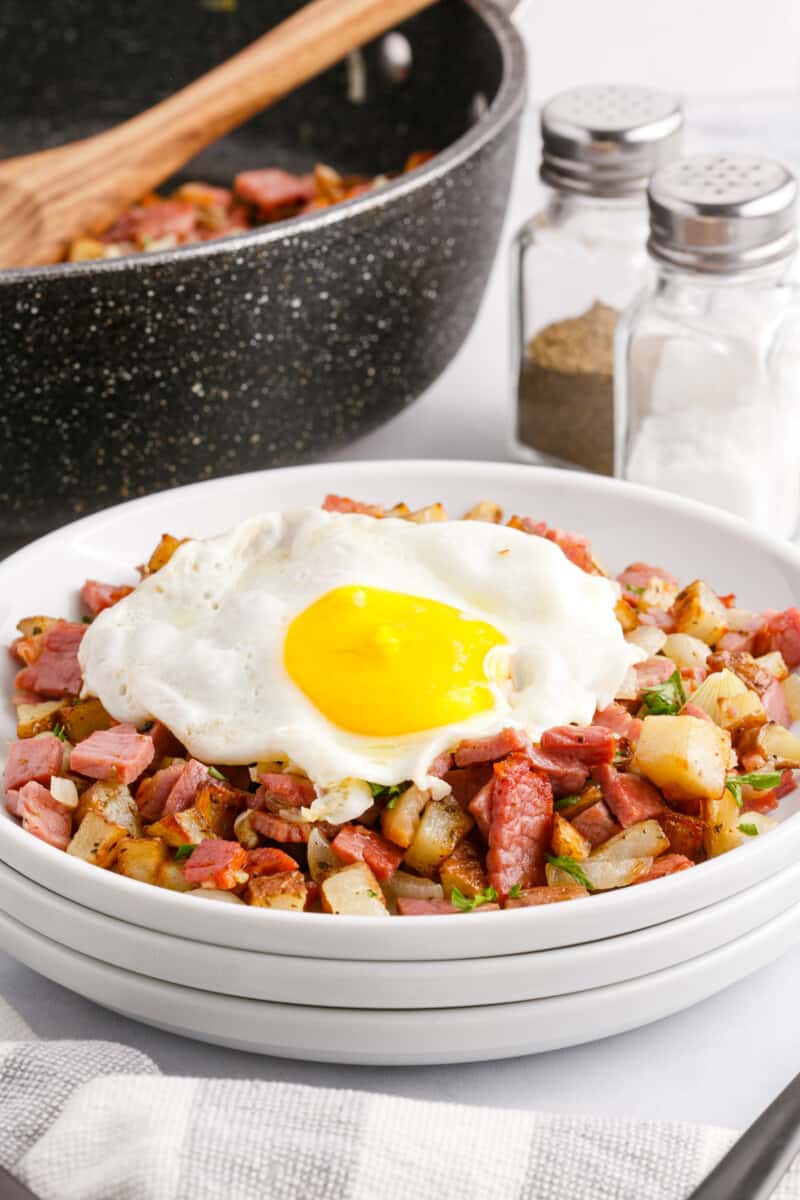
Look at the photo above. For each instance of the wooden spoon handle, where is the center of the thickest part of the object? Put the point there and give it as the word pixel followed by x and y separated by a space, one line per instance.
pixel 82 187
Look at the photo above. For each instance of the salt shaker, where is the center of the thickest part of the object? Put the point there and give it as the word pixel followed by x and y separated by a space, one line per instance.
pixel 708 357
pixel 579 261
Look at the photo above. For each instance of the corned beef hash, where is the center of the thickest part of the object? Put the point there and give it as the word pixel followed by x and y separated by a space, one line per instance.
pixel 364 711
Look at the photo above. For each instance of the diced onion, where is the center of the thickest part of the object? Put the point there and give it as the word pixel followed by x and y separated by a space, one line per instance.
pixel 64 792
pixel 344 802
pixel 411 887
pixel 646 839
pixel 648 638
pixel 603 874
pixel 321 858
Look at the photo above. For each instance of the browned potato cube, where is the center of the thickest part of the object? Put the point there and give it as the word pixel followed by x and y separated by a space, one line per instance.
pixel 112 801
pixel 163 552
pixel 218 807
pixel 97 840
pixel 722 816
pixel 568 840
pixel 700 612
pixel 141 858
pixel 485 510
pixel 354 892
pixel 400 822
pixel 431 512
pixel 686 757
pixel 286 890
pixel 777 744
pixel 737 713
pixel 37 718
pixel 83 718
pixel 171 876
pixel 33 626
pixel 185 828
pixel 626 616
pixel 444 823
pixel 463 869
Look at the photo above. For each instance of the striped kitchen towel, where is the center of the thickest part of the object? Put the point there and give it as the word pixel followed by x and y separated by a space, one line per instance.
pixel 97 1121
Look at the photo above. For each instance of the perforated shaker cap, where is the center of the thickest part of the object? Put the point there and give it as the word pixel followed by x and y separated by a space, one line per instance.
pixel 722 213
pixel 608 139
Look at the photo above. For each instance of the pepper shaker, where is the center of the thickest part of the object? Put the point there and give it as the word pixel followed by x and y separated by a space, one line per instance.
pixel 578 262
pixel 708 356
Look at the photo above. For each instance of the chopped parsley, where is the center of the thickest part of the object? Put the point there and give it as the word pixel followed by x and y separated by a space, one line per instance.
pixel 389 793
pixel 468 903
pixel 372 893
pixel 87 620
pixel 59 731
pixel 515 892
pixel 564 863
pixel 637 591
pixel 565 802
pixel 215 774
pixel 748 828
pixel 665 699
pixel 184 851
pixel 762 781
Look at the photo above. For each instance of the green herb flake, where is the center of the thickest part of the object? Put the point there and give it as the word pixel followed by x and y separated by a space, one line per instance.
pixel 564 863
pixel 762 781
pixel 665 699
pixel 87 620
pixel 468 903
pixel 59 731
pixel 215 774
pixel 515 892
pixel 637 591
pixel 388 792
pixel 372 893
pixel 748 828
pixel 184 851
pixel 565 802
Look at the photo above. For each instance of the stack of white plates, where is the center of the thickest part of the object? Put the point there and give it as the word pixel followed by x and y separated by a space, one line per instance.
pixel 404 990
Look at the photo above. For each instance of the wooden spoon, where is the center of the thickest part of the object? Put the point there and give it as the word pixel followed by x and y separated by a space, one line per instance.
pixel 49 198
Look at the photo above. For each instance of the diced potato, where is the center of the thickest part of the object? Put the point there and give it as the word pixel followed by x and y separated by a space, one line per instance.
pixel 649 638
pixel 37 718
pixel 112 801
pixel 720 685
pixel 791 690
pixel 33 626
pixel 218 807
pixel 659 593
pixel 568 840
pixel 171 877
pixel 83 718
pixel 85 248
pixel 686 757
pixel 212 894
pixel 444 823
pixel 626 615
pixel 163 552
pixel 463 869
pixel 97 840
pixel 400 822
pixel 602 873
pixel 777 744
pixel 741 712
pixel 431 512
pixel 700 612
pixel 485 510
pixel 185 828
pixel 286 890
pixel 686 651
pixel 321 858
pixel 353 892
pixel 723 817
pixel 775 663
pixel 141 858
pixel 646 839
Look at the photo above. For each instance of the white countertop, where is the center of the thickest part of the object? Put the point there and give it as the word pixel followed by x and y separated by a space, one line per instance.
pixel 719 1062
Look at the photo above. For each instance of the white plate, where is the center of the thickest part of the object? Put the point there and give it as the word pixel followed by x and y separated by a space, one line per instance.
pixel 399 1037
pixel 336 983
pixel 624 522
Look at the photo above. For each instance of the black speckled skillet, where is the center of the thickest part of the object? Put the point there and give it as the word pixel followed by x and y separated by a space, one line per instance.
pixel 127 376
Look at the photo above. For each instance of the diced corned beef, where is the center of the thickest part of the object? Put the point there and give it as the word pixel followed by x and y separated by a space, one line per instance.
pixel 271 189
pixel 151 795
pixel 466 782
pixel 164 741
pixel 744 666
pixel 734 642
pixel 640 575
pixel 668 864
pixel 692 710
pixel 25 696
pixel 548 895
pixel 653 671
pixel 490 749
pixel 97 596
pixel 781 632
pixel 27 649
pixel 762 802
pixel 167 217
pixel 34 758
pixel 619 721
pixel 56 671
pixel 752 760
pixel 293 790
pixel 685 833
pixel 596 824
pixel 12 801
pixel 408 907
pixel 215 861
pixel 577 549
pixel 481 807
pixel 441 765
pixel 521 825
pixel 343 504
pixel 120 753
pixel 268 860
pixel 775 706
pixel 354 843
pixel 630 798
pixel 661 618
pixel 278 830
pixel 692 677
pixel 204 195
pixel 43 816
pixel 589 745
pixel 787 784
pixel 566 775
pixel 193 775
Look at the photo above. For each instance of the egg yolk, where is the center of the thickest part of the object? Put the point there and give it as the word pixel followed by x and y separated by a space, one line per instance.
pixel 384 663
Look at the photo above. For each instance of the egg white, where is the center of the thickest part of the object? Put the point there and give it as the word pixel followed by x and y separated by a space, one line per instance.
pixel 199 645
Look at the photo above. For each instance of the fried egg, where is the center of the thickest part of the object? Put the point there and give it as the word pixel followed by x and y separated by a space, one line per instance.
pixel 355 648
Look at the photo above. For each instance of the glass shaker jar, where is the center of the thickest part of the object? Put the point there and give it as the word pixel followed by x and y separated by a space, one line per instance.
pixel 708 357
pixel 578 262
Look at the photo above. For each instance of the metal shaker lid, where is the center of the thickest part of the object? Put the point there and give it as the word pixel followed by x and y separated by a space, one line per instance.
pixel 722 213
pixel 608 139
